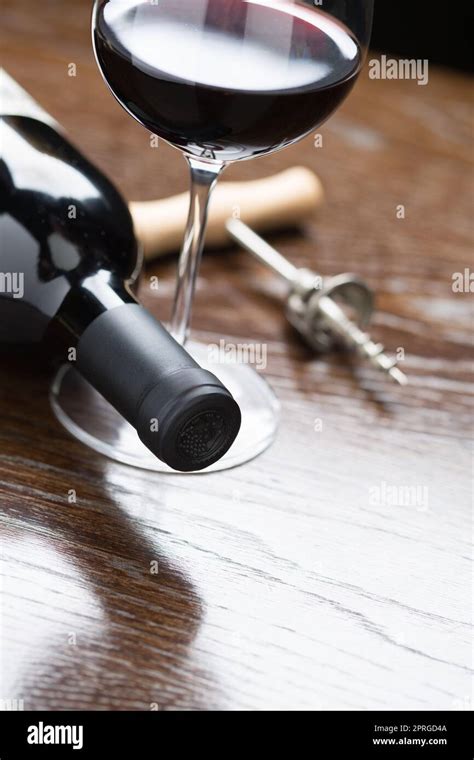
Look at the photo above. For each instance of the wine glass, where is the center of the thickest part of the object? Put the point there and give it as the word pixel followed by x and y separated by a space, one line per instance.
pixel 225 81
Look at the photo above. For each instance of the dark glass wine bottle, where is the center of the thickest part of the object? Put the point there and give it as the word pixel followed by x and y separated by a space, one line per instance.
pixel 69 262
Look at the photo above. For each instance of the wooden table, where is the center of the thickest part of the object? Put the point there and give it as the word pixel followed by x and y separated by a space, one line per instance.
pixel 293 581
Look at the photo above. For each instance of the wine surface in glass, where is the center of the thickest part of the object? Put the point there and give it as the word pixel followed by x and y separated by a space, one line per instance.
pixel 225 79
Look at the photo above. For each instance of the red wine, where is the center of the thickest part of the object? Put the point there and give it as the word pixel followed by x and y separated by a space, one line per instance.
pixel 67 282
pixel 225 79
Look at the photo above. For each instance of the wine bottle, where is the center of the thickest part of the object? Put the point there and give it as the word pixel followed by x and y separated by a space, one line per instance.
pixel 69 263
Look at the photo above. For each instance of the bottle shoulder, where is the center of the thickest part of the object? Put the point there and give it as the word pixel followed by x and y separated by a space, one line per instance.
pixel 77 216
pixel 62 223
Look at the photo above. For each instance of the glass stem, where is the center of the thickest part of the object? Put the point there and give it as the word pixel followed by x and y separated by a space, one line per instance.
pixel 204 176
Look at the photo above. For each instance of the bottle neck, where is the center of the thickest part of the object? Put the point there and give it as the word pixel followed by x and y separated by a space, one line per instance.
pixel 87 301
pixel 181 412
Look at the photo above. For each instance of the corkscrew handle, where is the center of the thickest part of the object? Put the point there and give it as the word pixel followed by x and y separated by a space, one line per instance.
pixel 281 200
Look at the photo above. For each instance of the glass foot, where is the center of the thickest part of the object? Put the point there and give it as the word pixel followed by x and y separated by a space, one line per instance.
pixel 91 419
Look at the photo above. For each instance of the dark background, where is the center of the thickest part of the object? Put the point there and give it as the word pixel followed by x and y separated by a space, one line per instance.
pixel 439 31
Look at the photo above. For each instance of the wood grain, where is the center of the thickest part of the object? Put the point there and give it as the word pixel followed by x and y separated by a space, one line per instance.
pixel 291 581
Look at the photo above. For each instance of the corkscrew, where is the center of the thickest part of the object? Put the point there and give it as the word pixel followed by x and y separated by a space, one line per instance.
pixel 325 311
